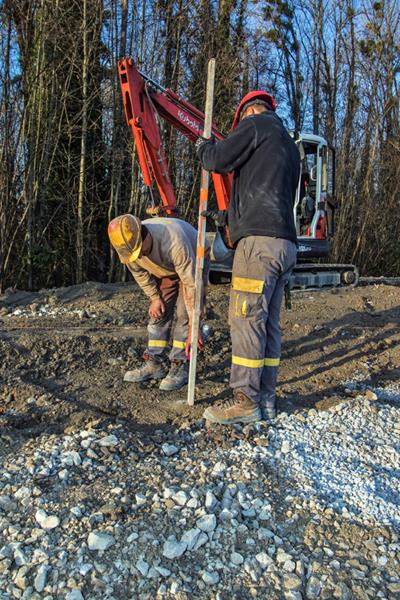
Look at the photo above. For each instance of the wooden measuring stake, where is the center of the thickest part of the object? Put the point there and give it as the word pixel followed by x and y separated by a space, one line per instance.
pixel 201 238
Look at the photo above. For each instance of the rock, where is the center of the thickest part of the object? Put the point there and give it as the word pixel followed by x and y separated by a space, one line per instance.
pixel 46 521
pixel 263 559
pixel 7 504
pixel 292 595
pixel 313 587
pixel 75 595
pixel 7 552
pixel 264 514
pixel 207 523
pixel 163 571
pixel 285 447
pixel 210 501
pixel 180 498
pixel 85 569
pixel 153 573
pixel 173 549
pixel 291 582
pixel 21 579
pixel 140 499
pixel 210 578
pixel 289 566
pixel 108 441
pixel 143 567
pixel 41 577
pixel 23 492
pixel 219 469
pixel 282 556
pixel 63 474
pixel 169 449
pixel 98 540
pixel 202 539
pixel 20 557
pixel 370 395
pixel 225 515
pixel 190 538
pixel 175 586
pixel 236 558
pixel 71 458
pixel 193 503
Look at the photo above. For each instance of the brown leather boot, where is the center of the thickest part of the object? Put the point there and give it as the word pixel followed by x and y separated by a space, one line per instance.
pixel 239 409
pixel 149 370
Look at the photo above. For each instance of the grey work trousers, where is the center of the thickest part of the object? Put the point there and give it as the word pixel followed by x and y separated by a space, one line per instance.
pixel 159 330
pixel 261 269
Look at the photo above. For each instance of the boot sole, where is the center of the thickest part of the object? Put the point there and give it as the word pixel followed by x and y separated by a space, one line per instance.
pixel 145 378
pixel 171 387
pixel 249 419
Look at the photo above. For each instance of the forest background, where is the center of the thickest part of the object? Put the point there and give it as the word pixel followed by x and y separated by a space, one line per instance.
pixel 67 161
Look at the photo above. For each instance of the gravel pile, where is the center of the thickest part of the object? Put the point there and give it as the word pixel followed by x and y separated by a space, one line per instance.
pixel 36 310
pixel 308 508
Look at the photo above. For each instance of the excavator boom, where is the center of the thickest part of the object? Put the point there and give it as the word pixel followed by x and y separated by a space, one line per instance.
pixel 145 101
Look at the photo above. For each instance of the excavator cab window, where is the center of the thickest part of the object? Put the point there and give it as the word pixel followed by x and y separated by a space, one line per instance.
pixel 307 199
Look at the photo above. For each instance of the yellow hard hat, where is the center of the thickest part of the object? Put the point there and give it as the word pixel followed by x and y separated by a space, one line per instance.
pixel 125 233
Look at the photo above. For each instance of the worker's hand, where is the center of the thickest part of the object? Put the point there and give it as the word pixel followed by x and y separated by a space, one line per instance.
pixel 188 346
pixel 202 140
pixel 157 309
pixel 220 217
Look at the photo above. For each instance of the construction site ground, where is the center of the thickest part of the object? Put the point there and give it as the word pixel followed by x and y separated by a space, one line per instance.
pixel 76 343
pixel 63 354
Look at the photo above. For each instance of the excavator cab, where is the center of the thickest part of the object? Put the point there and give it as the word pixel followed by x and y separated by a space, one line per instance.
pixel 313 208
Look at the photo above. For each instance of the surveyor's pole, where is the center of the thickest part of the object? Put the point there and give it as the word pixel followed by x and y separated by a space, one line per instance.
pixel 201 238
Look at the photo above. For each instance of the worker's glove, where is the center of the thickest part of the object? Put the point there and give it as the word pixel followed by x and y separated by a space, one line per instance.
pixel 188 345
pixel 220 217
pixel 201 141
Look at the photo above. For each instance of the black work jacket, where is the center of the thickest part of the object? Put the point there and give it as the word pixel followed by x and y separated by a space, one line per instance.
pixel 265 164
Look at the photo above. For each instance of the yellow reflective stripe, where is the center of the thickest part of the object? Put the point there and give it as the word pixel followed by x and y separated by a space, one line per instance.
pixel 178 344
pixel 158 343
pixel 271 362
pixel 253 363
pixel 243 284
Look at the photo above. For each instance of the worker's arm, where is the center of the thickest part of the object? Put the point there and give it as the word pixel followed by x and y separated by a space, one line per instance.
pixel 145 280
pixel 229 154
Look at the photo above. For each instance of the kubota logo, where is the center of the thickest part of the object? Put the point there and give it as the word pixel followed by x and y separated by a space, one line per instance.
pixel 185 119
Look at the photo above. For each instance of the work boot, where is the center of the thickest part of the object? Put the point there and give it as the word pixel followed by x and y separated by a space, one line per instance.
pixel 239 409
pixel 267 406
pixel 150 369
pixel 177 377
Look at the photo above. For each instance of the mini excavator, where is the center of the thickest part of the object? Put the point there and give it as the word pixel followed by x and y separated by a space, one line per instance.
pixel 146 102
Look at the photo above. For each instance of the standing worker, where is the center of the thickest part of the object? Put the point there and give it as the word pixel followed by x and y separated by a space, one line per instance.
pixel 161 255
pixel 266 166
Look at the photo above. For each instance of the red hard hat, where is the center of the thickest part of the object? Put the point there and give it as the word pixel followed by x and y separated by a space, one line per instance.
pixel 257 95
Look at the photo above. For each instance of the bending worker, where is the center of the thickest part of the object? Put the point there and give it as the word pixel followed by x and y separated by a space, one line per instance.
pixel 266 165
pixel 161 255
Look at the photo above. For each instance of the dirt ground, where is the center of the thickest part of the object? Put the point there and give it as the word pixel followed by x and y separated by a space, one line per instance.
pixel 71 346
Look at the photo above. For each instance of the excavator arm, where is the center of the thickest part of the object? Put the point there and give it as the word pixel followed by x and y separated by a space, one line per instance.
pixel 144 102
